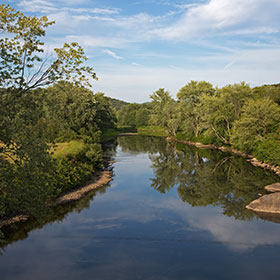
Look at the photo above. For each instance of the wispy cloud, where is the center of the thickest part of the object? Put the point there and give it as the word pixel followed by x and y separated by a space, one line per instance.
pixel 97 41
pixel 37 6
pixel 112 54
pixel 43 6
pixel 105 11
pixel 224 16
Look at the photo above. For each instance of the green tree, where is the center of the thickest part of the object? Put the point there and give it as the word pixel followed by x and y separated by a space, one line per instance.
pixel 23 65
pixel 160 99
pixel 165 111
pixel 268 91
pixel 189 98
pixel 105 116
pixel 27 180
pixel 259 119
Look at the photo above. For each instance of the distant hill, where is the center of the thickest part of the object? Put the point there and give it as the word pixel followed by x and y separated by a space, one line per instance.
pixel 117 104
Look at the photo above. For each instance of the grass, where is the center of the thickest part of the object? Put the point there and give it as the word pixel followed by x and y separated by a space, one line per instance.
pixel 72 148
pixel 152 131
pixel 113 132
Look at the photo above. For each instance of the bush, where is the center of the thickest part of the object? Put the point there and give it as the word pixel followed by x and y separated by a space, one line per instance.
pixel 269 151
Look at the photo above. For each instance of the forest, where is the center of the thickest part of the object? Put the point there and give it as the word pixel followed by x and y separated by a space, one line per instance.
pixel 52 123
pixel 238 116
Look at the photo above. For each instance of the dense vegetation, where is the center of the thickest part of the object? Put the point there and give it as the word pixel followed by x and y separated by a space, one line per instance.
pixel 50 122
pixel 236 115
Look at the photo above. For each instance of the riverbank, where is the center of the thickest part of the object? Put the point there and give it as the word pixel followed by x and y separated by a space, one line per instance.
pixel 250 158
pixel 99 180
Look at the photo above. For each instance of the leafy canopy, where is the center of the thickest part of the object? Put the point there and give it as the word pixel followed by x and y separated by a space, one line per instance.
pixel 22 65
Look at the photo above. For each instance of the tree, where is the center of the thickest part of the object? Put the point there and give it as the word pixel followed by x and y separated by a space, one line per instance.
pixel 189 98
pixel 217 117
pixel 160 99
pixel 259 118
pixel 105 117
pixel 134 115
pixel 22 65
pixel 69 111
pixel 27 178
pixel 268 91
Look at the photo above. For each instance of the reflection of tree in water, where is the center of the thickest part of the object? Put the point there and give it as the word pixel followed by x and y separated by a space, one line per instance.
pixel 165 165
pixel 206 177
pixel 141 144
pixel 109 149
pixel 59 213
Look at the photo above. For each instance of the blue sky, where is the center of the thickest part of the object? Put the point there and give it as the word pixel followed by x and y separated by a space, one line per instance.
pixel 137 47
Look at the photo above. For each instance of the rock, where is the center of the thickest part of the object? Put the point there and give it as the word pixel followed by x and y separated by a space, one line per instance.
pixel 269 203
pixel 272 217
pixel 273 187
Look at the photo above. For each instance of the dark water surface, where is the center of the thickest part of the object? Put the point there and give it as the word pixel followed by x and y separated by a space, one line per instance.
pixel 169 213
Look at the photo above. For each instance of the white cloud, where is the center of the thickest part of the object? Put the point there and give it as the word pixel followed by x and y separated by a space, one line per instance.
pixel 112 54
pixel 220 16
pixel 37 6
pixel 135 84
pixel 105 11
pixel 96 41
pixel 82 17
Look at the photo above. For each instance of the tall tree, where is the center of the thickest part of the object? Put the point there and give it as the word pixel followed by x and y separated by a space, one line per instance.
pixel 23 65
pixel 189 98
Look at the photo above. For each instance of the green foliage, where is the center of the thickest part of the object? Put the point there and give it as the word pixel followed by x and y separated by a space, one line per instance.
pixel 22 65
pixel 134 115
pixel 268 91
pixel 32 118
pixel 69 111
pixel 160 101
pixel 190 106
pixel 165 112
pixel 117 104
pixel 192 92
pixel 76 165
pixel 152 131
pixel 269 150
pixel 26 176
pixel 68 150
pixel 73 112
pixel 105 116
pixel 259 118
pixel 234 115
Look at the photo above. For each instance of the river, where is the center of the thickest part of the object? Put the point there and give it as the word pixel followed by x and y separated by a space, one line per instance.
pixel 171 212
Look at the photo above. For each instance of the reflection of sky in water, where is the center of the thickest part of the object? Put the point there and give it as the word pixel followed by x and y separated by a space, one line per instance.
pixel 134 232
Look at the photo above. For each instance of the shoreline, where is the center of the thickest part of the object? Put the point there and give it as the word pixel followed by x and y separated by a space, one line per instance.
pixel 250 158
pixel 127 134
pixel 99 180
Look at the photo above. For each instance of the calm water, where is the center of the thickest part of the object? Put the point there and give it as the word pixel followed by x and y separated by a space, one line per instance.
pixel 170 213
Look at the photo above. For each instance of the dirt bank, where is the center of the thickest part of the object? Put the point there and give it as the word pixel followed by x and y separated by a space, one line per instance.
pixel 105 178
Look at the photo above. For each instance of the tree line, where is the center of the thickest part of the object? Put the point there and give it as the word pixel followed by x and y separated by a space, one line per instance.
pixel 236 115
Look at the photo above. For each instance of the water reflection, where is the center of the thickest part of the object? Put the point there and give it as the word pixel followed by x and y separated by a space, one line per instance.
pixel 203 177
pixel 146 226
pixel 58 214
